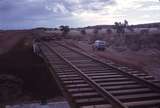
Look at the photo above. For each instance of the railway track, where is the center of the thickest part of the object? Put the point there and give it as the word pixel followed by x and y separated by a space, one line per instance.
pixel 89 83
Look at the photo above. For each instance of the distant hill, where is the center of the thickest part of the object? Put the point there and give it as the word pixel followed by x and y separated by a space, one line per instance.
pixel 148 25
pixel 100 26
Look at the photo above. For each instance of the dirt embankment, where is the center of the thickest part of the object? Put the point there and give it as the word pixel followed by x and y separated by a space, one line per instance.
pixel 20 61
pixel 8 39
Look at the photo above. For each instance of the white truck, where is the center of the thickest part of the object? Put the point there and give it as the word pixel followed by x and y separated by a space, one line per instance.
pixel 99 45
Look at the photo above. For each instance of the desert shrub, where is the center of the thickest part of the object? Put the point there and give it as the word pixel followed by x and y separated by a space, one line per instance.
pixel 83 31
pixel 144 31
pixel 95 31
pixel 64 29
pixel 133 42
pixel 109 31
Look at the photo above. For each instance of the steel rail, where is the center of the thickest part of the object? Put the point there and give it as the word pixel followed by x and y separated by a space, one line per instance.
pixel 107 96
pixel 52 70
pixel 138 79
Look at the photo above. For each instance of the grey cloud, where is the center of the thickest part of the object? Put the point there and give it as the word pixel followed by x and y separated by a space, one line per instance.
pixel 30 12
pixel 89 5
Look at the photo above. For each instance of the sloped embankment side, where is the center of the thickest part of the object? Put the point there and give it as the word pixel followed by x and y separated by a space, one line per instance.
pixel 22 63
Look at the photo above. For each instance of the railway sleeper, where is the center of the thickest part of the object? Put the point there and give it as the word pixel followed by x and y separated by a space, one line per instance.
pixel 74 82
pixel 86 66
pixel 140 74
pixel 138 97
pixel 77 85
pixel 98 69
pixel 130 91
pixel 147 77
pixel 133 72
pixel 157 82
pixel 106 76
pixel 117 83
pixel 96 72
pixel 111 80
pixel 90 101
pixel 75 58
pixel 61 68
pixel 98 106
pixel 154 103
pixel 85 95
pixel 77 90
pixel 82 62
pixel 69 76
pixel 123 87
pixel 66 73
pixel 100 73
pixel 70 79
pixel 53 59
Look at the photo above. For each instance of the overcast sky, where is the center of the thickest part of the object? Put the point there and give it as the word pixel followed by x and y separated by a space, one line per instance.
pixel 20 14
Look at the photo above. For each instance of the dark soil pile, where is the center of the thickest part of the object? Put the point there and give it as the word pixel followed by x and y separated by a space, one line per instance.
pixel 38 83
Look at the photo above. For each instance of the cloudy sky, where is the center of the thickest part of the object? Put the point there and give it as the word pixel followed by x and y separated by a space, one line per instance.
pixel 20 14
